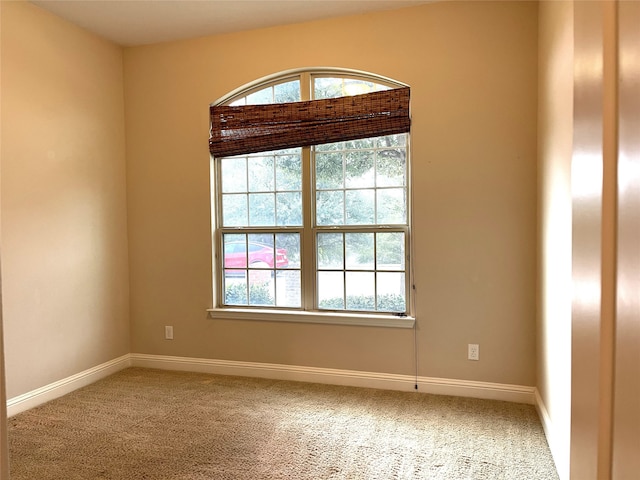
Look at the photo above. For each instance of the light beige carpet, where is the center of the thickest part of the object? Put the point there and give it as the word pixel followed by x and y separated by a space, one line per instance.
pixel 142 424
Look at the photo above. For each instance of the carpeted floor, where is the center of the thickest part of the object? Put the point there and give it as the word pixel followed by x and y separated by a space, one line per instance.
pixel 142 424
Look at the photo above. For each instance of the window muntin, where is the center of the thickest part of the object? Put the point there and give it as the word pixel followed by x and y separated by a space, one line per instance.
pixel 361 182
pixel 364 180
pixel 268 275
pixel 263 189
pixel 361 270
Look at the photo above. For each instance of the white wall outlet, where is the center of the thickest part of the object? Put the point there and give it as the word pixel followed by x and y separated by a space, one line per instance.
pixel 473 352
pixel 168 332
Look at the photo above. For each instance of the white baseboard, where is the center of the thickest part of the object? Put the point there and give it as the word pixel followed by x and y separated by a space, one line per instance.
pixel 57 389
pixel 543 413
pixel 559 452
pixel 386 381
pixel 352 378
pixel 486 390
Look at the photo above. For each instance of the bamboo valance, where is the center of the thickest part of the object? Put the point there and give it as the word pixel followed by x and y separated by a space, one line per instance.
pixel 238 130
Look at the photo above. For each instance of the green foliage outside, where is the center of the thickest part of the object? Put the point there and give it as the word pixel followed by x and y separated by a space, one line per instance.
pixel 386 303
pixel 349 177
pixel 389 249
pixel 259 294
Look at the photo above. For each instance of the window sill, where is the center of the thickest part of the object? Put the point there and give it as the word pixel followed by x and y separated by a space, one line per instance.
pixel 298 316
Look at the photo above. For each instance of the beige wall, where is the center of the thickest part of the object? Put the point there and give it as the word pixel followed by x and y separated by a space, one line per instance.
pixel 472 68
pixel 64 239
pixel 555 143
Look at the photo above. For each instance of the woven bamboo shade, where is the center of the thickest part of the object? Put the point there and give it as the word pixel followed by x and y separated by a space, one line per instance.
pixel 259 128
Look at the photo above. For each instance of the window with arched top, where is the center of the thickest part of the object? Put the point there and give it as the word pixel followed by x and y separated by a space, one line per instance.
pixel 311 209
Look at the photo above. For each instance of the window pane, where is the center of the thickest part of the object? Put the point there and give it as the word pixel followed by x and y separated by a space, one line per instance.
pixel 261 97
pixel 261 250
pixel 391 292
pixel 391 206
pixel 234 174
pixel 329 147
pixel 235 290
pixel 261 174
pixel 330 208
pixel 262 209
pixel 289 209
pixel 289 172
pixel 287 92
pixel 235 253
pixel 288 250
pixel 332 87
pixel 361 143
pixel 390 251
pixel 331 290
pixel 287 278
pixel 261 288
pixel 330 251
pixel 288 289
pixel 329 170
pixel 359 170
pixel 234 210
pixel 359 251
pixel 327 88
pixel 388 141
pixel 360 207
pixel 360 291
pixel 391 168
pixel 355 86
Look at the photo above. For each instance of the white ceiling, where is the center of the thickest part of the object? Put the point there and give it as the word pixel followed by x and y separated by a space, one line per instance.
pixel 141 22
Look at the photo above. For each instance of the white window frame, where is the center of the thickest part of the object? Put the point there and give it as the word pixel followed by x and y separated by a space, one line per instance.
pixel 308 231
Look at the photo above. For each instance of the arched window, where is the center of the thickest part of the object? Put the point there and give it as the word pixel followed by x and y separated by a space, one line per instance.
pixel 317 227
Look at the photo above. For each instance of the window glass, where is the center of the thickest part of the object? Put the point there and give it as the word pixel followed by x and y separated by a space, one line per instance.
pixel 361 271
pixel 287 92
pixel 362 182
pixel 262 190
pixel 268 275
pixel 284 92
pixel 333 87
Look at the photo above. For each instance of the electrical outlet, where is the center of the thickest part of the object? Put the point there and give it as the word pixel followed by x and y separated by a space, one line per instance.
pixel 168 332
pixel 474 351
